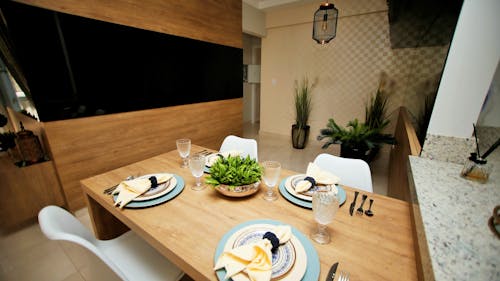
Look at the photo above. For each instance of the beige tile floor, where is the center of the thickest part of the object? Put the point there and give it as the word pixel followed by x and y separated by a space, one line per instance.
pixel 28 255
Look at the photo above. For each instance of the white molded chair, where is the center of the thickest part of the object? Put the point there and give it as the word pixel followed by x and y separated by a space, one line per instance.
pixel 130 257
pixel 248 146
pixel 352 172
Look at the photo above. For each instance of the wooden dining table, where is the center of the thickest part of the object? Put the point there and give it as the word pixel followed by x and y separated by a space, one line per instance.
pixel 187 229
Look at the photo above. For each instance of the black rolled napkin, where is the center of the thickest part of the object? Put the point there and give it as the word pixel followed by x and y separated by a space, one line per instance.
pixel 274 240
pixel 154 182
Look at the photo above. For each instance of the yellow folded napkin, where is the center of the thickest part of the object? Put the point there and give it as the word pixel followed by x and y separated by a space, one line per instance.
pixel 321 177
pixel 131 189
pixel 252 261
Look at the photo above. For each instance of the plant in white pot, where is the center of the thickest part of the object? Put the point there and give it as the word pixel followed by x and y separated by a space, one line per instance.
pixel 302 97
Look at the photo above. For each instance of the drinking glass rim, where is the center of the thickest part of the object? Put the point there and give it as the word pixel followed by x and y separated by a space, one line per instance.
pixel 183 140
pixel 267 162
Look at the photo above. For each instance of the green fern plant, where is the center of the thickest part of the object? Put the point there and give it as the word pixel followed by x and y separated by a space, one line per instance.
pixel 355 135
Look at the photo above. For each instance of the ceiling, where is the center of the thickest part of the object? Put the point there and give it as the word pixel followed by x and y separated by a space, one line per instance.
pixel 269 4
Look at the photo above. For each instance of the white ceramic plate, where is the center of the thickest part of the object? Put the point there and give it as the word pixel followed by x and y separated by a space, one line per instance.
pixel 284 267
pixel 290 184
pixel 211 159
pixel 160 190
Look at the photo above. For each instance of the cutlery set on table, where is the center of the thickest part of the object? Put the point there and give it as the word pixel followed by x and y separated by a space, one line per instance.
pixel 359 210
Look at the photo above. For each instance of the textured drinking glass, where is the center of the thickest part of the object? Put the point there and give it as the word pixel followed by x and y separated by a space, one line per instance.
pixel 271 175
pixel 325 205
pixel 196 165
pixel 184 147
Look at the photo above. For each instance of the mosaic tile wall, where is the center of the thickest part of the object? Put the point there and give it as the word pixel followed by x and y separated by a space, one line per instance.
pixel 347 70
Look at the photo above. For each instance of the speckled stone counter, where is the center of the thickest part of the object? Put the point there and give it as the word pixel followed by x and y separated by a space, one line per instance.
pixel 454 215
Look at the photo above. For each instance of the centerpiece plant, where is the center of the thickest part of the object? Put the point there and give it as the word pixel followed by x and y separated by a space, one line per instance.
pixel 234 171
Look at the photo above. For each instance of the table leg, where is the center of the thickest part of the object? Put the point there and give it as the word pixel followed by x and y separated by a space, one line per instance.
pixel 106 226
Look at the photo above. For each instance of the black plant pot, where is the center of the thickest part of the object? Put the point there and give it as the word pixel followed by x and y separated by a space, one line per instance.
pixel 358 153
pixel 300 136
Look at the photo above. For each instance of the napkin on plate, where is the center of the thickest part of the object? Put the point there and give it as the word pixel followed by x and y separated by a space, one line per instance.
pixel 253 261
pixel 321 177
pixel 214 158
pixel 131 189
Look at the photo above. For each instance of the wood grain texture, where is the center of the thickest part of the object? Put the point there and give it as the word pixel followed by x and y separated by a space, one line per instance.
pixel 89 146
pixel 25 191
pixel 215 21
pixel 188 228
pixel 407 144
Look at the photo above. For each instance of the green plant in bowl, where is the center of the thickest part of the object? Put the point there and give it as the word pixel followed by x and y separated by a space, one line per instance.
pixel 235 176
pixel 234 171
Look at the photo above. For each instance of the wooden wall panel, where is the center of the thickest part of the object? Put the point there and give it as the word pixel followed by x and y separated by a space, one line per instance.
pixel 407 144
pixel 215 21
pixel 89 146
pixel 25 191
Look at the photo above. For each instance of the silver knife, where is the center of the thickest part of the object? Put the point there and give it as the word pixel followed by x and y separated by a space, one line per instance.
pixel 331 273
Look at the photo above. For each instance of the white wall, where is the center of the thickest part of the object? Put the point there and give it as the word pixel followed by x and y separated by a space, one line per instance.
pixel 470 66
pixel 253 21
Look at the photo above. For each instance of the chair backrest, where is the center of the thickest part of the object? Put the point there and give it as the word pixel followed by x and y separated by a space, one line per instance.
pixel 58 224
pixel 352 172
pixel 247 146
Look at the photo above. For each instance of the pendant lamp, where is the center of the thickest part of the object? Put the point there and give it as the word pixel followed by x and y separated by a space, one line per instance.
pixel 325 23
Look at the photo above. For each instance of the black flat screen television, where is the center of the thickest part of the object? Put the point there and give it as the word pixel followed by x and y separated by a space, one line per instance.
pixel 77 67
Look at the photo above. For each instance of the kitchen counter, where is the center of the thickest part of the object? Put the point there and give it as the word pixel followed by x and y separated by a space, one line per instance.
pixel 452 220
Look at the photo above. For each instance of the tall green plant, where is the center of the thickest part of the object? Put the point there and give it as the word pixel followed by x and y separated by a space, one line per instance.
pixel 375 111
pixel 302 102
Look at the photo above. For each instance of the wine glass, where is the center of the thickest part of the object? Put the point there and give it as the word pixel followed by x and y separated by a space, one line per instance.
pixel 271 174
pixel 325 204
pixel 184 146
pixel 196 165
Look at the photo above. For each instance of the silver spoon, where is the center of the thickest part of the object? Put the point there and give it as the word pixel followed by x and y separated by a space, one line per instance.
pixel 369 211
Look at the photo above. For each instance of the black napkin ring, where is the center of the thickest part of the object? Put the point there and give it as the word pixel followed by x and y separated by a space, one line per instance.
pixel 154 182
pixel 311 180
pixel 274 240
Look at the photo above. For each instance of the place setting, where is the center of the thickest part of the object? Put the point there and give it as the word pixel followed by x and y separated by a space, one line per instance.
pixel 146 190
pixel 265 250
pixel 299 189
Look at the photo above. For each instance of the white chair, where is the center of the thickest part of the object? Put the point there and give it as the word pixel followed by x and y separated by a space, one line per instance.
pixel 247 146
pixel 352 172
pixel 130 257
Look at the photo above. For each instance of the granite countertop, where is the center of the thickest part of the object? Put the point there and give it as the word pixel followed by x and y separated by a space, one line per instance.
pixel 455 214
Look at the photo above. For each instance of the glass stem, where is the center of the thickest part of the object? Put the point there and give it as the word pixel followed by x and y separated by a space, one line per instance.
pixel 270 191
pixel 198 183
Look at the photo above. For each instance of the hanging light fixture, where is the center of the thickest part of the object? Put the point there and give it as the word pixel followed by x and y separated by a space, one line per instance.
pixel 325 23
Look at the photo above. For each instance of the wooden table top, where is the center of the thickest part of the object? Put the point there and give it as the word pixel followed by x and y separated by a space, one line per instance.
pixel 188 228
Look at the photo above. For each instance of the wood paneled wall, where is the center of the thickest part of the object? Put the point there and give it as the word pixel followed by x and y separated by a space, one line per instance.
pixel 407 144
pixel 215 21
pixel 89 146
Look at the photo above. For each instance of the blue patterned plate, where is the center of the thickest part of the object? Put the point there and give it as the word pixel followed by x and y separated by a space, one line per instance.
pixel 283 258
pixel 305 203
pixel 306 267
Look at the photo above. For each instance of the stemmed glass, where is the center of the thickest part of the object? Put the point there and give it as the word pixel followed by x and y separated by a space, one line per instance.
pixel 325 204
pixel 271 174
pixel 184 147
pixel 196 165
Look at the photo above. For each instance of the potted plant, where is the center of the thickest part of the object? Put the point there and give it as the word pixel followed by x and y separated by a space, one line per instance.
pixel 361 140
pixel 302 97
pixel 235 176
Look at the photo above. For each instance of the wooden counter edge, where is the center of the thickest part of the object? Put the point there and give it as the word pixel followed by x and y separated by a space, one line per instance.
pixel 425 271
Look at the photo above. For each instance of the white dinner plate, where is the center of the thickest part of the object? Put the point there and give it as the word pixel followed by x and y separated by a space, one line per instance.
pixel 159 191
pixel 282 270
pixel 290 184
pixel 211 159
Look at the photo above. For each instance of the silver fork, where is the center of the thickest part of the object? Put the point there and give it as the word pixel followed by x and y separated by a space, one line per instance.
pixel 344 276
pixel 110 190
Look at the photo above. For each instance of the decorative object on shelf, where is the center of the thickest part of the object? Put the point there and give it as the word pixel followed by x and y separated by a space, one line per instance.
pixel 325 23
pixel 476 167
pixel 300 130
pixel 7 139
pixel 235 176
pixel 29 146
pixel 361 140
